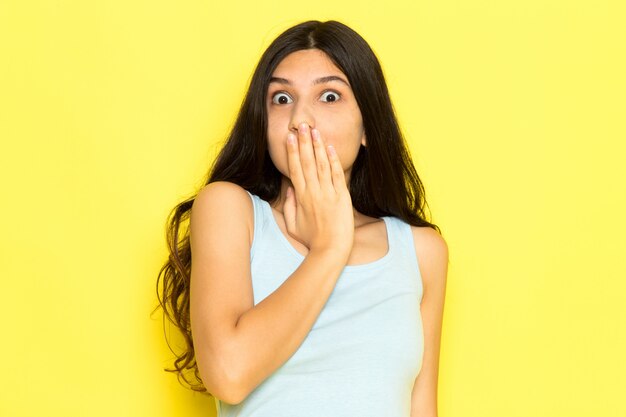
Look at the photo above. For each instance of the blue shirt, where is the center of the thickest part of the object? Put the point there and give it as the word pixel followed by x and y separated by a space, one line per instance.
pixel 365 350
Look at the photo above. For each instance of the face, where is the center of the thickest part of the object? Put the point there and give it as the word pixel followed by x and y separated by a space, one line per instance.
pixel 328 106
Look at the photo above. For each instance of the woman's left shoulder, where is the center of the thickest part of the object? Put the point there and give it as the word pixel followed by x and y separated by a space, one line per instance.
pixel 428 239
pixel 431 250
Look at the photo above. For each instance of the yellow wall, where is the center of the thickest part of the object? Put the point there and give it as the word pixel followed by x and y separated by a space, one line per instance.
pixel 111 111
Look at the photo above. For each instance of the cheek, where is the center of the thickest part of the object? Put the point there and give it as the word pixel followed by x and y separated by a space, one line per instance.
pixel 347 143
pixel 278 153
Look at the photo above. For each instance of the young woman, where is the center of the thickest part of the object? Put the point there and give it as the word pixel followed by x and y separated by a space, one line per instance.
pixel 316 285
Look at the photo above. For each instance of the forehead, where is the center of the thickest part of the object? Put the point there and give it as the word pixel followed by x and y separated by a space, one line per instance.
pixel 308 63
pixel 307 67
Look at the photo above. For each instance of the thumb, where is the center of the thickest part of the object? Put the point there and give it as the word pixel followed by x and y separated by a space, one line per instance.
pixel 289 210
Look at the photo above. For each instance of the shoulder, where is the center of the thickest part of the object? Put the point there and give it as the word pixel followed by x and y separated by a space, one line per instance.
pixel 223 189
pixel 431 250
pixel 224 202
pixel 429 241
pixel 224 196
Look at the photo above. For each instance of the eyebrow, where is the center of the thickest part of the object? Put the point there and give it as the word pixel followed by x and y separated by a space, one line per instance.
pixel 321 80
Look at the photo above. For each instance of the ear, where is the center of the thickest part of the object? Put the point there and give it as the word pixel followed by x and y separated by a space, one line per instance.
pixel 363 140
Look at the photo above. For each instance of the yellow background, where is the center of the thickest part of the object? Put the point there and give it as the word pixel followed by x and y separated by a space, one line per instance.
pixel 111 111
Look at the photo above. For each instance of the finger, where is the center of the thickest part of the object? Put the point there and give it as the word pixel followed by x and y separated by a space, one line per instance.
pixel 339 179
pixel 293 160
pixel 307 158
pixel 321 159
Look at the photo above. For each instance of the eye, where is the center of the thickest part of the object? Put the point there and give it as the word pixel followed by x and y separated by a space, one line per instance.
pixel 280 98
pixel 334 96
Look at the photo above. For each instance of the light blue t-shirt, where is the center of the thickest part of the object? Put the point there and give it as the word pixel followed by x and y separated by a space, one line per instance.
pixel 366 347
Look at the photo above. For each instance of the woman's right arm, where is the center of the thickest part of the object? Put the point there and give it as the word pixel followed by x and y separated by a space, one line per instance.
pixel 238 344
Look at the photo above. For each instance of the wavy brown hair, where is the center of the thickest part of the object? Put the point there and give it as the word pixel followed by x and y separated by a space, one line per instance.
pixel 383 180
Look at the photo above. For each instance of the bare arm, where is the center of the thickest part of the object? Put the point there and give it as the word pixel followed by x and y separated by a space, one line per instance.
pixel 432 253
pixel 238 345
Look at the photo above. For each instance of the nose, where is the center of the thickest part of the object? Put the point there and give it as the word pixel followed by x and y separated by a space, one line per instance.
pixel 301 113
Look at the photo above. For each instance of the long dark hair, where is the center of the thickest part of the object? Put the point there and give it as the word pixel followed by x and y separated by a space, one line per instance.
pixel 383 180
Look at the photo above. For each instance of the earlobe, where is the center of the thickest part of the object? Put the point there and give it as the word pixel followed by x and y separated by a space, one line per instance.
pixel 363 141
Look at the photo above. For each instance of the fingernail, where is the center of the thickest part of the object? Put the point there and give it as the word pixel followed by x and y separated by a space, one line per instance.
pixel 331 150
pixel 315 133
pixel 291 138
pixel 303 127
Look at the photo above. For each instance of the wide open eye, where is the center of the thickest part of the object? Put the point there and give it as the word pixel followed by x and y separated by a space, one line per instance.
pixel 332 96
pixel 281 98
